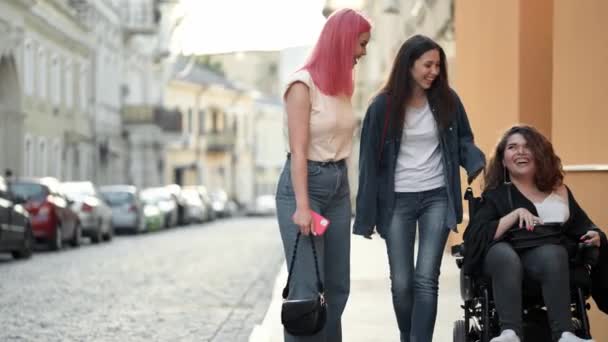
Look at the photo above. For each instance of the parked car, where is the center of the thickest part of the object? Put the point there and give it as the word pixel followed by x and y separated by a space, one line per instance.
pixel 127 209
pixel 176 192
pixel 154 217
pixel 16 236
pixel 51 215
pixel 166 202
pixel 207 202
pixel 196 211
pixel 94 214
pixel 221 204
pixel 263 205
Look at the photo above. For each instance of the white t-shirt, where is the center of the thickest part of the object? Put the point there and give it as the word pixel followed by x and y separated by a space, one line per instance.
pixel 419 165
pixel 332 122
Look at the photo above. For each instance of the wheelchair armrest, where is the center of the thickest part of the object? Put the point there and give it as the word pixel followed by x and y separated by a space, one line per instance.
pixel 458 250
pixel 587 255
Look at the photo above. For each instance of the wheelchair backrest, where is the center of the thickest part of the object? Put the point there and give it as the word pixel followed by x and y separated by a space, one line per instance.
pixel 473 201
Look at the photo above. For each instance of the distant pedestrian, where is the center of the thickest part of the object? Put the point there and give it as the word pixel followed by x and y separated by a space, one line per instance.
pixel 319 125
pixel 415 136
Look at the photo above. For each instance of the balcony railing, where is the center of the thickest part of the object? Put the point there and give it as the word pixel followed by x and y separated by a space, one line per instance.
pixel 220 142
pixel 138 114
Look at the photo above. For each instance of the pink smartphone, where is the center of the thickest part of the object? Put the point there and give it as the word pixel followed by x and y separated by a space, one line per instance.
pixel 319 223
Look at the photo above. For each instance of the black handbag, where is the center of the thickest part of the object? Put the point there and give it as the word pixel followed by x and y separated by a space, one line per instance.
pixel 304 317
pixel 521 238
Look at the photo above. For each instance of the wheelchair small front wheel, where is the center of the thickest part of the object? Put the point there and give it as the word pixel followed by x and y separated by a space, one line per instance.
pixel 460 333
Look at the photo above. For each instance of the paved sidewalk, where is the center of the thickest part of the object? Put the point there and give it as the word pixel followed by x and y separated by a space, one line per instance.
pixel 369 315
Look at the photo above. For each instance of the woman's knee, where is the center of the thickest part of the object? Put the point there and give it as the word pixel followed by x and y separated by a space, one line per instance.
pixel 551 259
pixel 502 259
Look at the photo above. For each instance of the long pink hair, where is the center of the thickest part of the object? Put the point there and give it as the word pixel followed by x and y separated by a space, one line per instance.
pixel 331 62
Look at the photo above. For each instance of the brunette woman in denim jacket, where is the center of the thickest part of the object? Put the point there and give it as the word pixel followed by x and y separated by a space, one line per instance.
pixel 319 126
pixel 415 136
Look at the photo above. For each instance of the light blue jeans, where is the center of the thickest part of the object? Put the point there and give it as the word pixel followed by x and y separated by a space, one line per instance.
pixel 329 195
pixel 415 289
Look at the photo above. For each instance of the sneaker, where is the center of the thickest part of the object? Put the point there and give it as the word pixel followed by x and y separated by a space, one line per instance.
pixel 507 336
pixel 570 337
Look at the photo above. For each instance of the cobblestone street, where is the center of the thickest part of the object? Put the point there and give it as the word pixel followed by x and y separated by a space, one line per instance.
pixel 208 282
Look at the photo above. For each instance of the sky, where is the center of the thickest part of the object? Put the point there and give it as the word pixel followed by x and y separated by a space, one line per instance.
pixel 217 26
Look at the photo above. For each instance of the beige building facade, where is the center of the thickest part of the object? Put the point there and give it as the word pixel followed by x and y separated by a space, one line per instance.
pixel 213 147
pixel 45 90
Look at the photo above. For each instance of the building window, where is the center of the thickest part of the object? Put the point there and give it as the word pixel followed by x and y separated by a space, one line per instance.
pixel 55 81
pixel 42 84
pixel 189 123
pixel 28 157
pixel 28 69
pixel 201 122
pixel 43 158
pixel 83 88
pixel 57 158
pixel 69 85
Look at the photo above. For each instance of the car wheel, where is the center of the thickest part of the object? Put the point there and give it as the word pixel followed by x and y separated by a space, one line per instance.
pixel 77 238
pixel 57 242
pixel 28 243
pixel 98 235
pixel 110 234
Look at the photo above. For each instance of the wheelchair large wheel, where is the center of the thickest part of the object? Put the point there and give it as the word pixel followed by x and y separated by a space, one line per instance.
pixel 460 333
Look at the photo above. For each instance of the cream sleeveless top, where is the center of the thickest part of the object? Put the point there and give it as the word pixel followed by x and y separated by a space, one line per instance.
pixel 332 122
pixel 553 209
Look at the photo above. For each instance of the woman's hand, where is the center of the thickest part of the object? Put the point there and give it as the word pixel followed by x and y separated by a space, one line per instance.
pixel 526 219
pixel 303 219
pixel 591 238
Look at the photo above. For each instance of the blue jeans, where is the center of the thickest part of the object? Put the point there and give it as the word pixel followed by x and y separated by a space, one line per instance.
pixel 329 195
pixel 415 289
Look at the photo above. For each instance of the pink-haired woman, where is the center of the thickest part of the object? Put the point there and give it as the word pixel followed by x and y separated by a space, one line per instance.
pixel 319 125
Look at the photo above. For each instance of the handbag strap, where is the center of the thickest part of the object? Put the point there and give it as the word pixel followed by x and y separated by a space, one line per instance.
pixel 293 260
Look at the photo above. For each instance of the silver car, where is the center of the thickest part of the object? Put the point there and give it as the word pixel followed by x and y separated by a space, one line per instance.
pixel 94 214
pixel 127 209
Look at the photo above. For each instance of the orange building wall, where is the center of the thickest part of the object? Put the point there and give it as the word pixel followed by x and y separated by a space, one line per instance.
pixel 580 117
pixel 542 62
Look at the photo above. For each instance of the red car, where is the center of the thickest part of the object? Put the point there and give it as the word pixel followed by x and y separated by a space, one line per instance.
pixel 51 217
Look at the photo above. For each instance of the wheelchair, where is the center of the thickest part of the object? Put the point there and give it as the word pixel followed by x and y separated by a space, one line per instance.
pixel 480 321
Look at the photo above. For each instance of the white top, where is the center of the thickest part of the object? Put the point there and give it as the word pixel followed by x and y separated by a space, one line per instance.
pixel 553 209
pixel 419 165
pixel 332 122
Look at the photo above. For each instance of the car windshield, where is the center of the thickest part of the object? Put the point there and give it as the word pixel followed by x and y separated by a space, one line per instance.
pixel 78 191
pixel 116 199
pixel 149 197
pixel 30 191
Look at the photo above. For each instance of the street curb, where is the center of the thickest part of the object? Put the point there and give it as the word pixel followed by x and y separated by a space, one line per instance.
pixel 264 331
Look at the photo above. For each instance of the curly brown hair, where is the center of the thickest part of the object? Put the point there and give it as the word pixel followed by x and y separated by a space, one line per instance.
pixel 549 172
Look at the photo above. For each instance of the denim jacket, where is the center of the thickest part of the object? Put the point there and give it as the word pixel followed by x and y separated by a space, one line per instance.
pixel 376 195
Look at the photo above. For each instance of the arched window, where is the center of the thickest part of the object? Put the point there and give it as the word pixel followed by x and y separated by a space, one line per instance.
pixel 28 68
pixel 83 86
pixel 42 73
pixel 56 80
pixel 69 84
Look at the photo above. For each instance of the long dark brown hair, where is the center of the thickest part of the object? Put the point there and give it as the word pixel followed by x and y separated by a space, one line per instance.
pixel 549 173
pixel 399 86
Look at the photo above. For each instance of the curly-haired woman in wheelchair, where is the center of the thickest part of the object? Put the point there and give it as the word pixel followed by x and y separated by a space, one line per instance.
pixel 523 187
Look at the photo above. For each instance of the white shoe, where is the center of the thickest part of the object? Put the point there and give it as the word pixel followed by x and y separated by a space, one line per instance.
pixel 570 337
pixel 506 336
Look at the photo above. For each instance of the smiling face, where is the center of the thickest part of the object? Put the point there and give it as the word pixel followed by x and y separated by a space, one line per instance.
pixel 426 69
pixel 518 157
pixel 361 46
